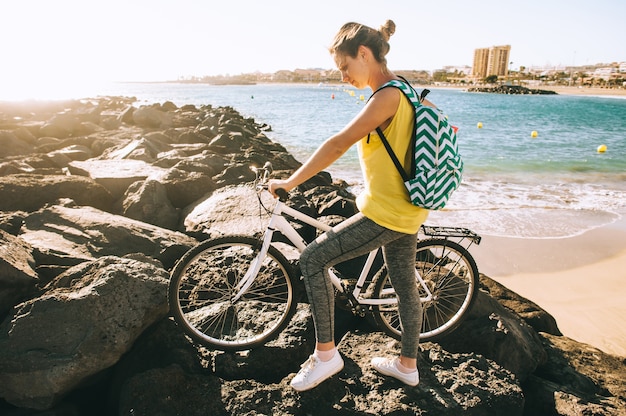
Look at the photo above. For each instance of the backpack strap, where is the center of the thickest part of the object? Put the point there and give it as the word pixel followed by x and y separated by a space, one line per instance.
pixel 415 101
pixel 424 93
pixel 393 156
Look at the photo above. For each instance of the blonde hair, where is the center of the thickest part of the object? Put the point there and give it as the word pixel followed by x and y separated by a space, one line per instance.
pixel 352 35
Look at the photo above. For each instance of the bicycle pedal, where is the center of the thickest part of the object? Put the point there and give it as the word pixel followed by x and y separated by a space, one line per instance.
pixel 359 311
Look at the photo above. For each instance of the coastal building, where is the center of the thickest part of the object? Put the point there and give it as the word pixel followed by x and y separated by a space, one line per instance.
pixel 491 61
pixel 604 73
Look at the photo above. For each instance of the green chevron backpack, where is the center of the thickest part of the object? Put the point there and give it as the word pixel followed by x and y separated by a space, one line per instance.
pixel 436 168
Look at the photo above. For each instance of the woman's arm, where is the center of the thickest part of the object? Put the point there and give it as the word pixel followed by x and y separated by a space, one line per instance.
pixel 377 112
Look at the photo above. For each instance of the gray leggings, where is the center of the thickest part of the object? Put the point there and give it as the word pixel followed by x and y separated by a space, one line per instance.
pixel 352 238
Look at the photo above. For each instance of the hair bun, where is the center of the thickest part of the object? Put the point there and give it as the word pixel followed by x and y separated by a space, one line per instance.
pixel 387 29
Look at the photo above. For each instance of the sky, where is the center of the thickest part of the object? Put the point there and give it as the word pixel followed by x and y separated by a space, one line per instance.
pixel 82 41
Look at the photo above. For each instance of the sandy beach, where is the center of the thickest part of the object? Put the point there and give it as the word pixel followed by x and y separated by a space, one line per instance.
pixel 562 90
pixel 580 280
pixel 586 91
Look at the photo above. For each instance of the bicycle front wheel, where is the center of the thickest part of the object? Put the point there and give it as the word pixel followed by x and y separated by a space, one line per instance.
pixel 451 275
pixel 204 284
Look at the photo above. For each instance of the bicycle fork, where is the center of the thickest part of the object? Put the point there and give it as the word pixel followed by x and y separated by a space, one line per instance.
pixel 276 222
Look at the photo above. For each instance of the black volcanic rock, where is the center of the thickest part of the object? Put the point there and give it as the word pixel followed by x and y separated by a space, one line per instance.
pixel 100 198
pixel 511 90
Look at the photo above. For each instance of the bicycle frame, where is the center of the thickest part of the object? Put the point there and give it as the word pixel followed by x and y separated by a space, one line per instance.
pixel 278 222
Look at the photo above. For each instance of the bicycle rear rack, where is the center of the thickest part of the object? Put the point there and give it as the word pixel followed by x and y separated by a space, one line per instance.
pixel 447 232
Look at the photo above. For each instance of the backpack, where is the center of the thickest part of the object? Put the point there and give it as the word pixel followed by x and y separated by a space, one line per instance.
pixel 436 168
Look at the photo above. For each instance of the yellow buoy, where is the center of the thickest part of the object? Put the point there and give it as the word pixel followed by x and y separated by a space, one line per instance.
pixel 602 148
pixel 479 125
pixel 362 97
pixel 533 133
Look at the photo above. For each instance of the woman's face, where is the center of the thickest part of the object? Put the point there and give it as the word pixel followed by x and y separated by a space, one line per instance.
pixel 353 70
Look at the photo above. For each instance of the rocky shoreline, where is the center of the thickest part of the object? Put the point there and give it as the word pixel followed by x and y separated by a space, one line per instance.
pixel 99 198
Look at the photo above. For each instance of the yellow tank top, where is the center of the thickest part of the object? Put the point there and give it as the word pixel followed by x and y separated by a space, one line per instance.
pixel 384 199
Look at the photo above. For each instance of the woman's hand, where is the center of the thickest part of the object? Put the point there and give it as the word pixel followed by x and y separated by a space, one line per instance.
pixel 275 184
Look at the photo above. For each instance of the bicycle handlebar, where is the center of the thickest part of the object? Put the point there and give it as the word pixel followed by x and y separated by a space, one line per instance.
pixel 262 176
pixel 282 194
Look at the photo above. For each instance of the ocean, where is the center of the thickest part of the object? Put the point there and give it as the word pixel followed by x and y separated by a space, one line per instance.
pixel 555 184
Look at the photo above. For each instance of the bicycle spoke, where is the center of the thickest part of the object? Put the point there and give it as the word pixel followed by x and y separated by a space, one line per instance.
pixel 265 297
pixel 214 324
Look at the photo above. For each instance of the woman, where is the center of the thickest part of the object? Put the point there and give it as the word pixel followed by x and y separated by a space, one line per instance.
pixel 386 219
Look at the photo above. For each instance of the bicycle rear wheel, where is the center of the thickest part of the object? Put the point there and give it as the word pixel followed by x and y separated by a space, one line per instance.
pixel 451 275
pixel 203 285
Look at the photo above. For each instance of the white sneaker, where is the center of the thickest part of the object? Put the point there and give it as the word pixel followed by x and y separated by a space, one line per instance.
pixel 388 367
pixel 314 371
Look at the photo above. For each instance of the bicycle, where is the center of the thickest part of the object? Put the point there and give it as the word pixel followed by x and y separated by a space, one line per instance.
pixel 237 292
